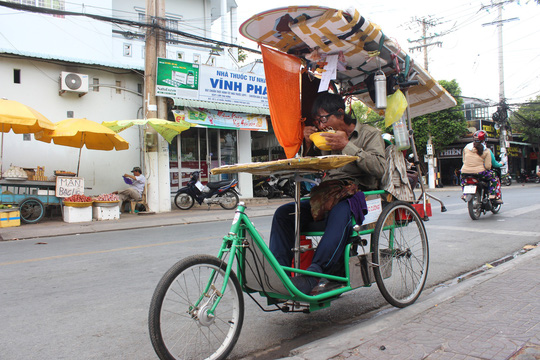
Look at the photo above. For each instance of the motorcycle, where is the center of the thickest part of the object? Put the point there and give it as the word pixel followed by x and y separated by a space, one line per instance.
pixel 525 178
pixel 506 179
pixel 223 193
pixel 265 187
pixel 287 186
pixel 476 195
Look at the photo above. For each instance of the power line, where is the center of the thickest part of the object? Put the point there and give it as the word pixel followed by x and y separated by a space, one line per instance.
pixel 154 24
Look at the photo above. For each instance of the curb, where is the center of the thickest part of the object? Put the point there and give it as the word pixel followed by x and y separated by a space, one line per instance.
pixel 388 316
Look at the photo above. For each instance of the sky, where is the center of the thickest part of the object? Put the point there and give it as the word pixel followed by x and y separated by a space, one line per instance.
pixel 469 52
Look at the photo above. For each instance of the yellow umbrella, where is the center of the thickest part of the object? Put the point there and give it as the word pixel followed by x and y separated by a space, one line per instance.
pixel 167 129
pixel 21 119
pixel 83 132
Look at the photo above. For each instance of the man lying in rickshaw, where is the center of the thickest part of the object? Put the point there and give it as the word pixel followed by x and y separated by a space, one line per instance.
pixel 336 196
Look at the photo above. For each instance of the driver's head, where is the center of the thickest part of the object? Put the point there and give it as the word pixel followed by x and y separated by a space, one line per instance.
pixel 328 108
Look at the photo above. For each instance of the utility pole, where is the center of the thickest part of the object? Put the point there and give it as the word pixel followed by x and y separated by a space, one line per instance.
pixel 426 23
pixel 156 150
pixel 501 116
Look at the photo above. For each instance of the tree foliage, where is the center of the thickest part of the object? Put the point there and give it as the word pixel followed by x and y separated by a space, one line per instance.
pixel 362 112
pixel 445 126
pixel 526 120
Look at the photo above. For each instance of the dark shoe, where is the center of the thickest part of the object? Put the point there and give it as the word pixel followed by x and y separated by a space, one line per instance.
pixel 304 283
pixel 325 285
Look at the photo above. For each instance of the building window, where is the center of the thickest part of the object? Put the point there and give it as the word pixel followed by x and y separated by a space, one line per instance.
pixel 140 88
pixel 118 87
pixel 172 25
pixel 16 76
pixel 142 17
pixel 127 49
pixel 95 84
pixel 196 58
pixel 26 137
pixel 179 55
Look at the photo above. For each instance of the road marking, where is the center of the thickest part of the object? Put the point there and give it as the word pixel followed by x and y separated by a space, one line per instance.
pixel 456 212
pixel 487 231
pixel 521 211
pixel 101 251
pixel 504 211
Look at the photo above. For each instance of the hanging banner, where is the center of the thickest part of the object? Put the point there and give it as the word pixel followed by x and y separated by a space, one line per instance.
pixel 232 87
pixel 177 79
pixel 222 119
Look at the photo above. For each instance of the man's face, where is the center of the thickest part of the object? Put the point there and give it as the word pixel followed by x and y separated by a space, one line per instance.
pixel 328 121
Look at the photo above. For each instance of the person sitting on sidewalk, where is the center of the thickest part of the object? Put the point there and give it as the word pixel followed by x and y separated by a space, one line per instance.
pixel 134 192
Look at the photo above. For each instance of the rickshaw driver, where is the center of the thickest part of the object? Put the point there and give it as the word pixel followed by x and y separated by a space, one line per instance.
pixel 350 138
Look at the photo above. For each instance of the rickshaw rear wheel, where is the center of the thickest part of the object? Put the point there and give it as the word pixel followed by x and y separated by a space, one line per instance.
pixel 180 322
pixel 400 254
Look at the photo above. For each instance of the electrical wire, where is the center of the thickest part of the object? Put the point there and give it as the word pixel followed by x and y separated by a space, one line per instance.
pixel 154 25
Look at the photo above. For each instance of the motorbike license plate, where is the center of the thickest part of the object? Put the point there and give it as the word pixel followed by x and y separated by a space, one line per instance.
pixel 469 189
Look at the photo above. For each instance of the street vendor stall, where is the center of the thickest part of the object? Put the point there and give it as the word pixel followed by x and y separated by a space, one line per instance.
pixel 32 197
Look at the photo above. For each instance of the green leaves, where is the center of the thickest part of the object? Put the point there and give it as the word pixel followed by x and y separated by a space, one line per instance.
pixel 445 126
pixel 526 120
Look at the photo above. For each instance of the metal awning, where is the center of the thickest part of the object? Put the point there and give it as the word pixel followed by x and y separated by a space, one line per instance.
pixel 221 106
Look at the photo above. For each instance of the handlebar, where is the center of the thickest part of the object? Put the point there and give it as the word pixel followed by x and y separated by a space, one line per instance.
pixel 408 83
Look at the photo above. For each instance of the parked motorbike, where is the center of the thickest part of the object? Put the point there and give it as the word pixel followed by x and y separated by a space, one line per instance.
pixel 266 187
pixel 524 177
pixel 476 195
pixel 223 193
pixel 506 179
pixel 287 186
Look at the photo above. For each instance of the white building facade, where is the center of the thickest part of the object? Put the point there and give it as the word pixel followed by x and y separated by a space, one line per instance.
pixel 104 51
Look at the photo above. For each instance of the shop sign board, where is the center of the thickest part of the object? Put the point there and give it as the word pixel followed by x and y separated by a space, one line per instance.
pixel 513 151
pixel 491 131
pixel 232 87
pixel 449 153
pixel 67 186
pixel 222 119
pixel 177 79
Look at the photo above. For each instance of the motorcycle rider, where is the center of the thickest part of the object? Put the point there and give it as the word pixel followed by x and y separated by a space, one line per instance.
pixel 497 165
pixel 477 160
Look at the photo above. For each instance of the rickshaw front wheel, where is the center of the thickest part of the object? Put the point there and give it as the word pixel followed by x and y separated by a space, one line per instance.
pixel 181 322
pixel 400 254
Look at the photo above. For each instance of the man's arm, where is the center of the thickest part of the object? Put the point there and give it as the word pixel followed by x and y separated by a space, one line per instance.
pixel 371 154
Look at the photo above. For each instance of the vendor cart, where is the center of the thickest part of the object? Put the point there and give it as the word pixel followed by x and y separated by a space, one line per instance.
pixel 32 197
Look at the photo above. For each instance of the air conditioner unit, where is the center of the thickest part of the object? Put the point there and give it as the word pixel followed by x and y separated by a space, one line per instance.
pixel 73 82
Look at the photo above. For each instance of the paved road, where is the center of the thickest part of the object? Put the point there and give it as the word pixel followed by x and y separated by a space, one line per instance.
pixel 86 296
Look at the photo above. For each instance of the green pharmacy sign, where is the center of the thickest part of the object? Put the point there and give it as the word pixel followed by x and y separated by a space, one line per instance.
pixel 177 78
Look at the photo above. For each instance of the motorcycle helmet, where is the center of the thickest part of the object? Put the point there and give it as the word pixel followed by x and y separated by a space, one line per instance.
pixel 480 136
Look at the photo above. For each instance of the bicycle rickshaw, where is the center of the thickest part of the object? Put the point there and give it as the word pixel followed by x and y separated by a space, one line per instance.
pixel 197 309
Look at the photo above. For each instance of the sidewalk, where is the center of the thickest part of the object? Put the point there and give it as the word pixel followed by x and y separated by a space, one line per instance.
pixel 494 315
pixel 57 227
